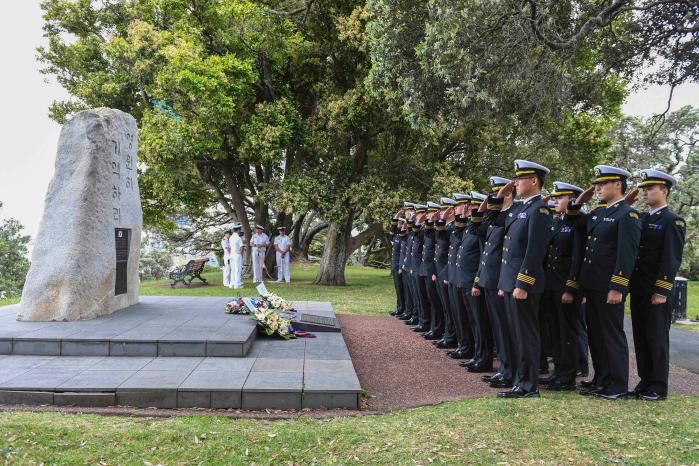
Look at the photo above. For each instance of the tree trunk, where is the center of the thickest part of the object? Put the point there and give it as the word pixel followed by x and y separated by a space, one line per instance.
pixel 332 264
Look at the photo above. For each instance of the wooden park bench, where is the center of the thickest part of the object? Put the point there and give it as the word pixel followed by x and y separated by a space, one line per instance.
pixel 192 269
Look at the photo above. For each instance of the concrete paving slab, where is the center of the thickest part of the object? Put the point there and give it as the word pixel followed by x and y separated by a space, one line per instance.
pixel 95 381
pixel 121 363
pixel 214 380
pixel 226 364
pixel 147 399
pixel 279 365
pixel 326 365
pixel 331 382
pixel 85 399
pixel 39 379
pixel 162 380
pixel 330 400
pixel 173 364
pixel 273 382
pixel 84 348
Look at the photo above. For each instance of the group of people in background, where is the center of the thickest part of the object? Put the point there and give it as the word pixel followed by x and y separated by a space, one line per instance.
pixel 524 278
pixel 234 245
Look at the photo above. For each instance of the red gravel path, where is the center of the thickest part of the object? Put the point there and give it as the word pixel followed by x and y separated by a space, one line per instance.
pixel 400 369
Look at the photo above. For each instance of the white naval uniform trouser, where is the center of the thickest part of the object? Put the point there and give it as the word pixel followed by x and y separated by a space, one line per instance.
pixel 258 259
pixel 237 269
pixel 226 270
pixel 283 264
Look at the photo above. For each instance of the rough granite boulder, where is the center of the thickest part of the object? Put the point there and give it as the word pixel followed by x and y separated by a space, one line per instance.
pixel 85 256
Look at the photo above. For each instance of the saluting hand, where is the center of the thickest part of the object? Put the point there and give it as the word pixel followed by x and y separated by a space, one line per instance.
pixel 546 198
pixel 614 297
pixel 484 205
pixel 657 299
pixel 505 190
pixel 585 195
pixel 631 196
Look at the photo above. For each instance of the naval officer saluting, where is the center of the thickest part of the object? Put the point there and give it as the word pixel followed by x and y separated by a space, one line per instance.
pixel 659 258
pixel 613 235
pixel 522 273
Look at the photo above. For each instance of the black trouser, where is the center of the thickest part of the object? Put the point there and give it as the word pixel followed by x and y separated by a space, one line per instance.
pixel 449 330
pixel 524 316
pixel 581 332
pixel 482 332
pixel 410 293
pixel 548 332
pixel 606 325
pixel 501 331
pixel 566 346
pixel 458 308
pixel 398 285
pixel 425 306
pixel 436 310
pixel 651 339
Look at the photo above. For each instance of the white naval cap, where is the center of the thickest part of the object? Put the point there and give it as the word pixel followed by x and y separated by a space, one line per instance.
pixel 477 198
pixel 420 207
pixel 461 198
pixel 260 227
pixel 525 167
pixel 561 189
pixel 497 182
pixel 447 202
pixel 652 177
pixel 433 206
pixel 605 173
pixel 551 204
pixel 408 204
pixel 237 225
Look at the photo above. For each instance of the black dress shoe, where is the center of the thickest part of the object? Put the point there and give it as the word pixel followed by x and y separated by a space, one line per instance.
pixel 490 378
pixel 470 362
pixel 444 344
pixel 559 386
pixel 412 321
pixel 405 317
pixel 421 329
pixel 392 313
pixel 547 380
pixel 611 396
pixel 518 392
pixel 651 396
pixel 588 383
pixel 428 334
pixel 480 368
pixel 544 370
pixel 432 336
pixel 460 355
pixel 501 383
pixel 590 391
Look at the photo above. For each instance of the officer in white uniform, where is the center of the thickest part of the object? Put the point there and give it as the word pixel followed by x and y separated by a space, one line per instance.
pixel 282 244
pixel 226 246
pixel 237 248
pixel 259 244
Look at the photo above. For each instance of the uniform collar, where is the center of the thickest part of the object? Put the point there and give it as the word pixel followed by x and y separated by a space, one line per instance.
pixel 531 198
pixel 657 209
pixel 615 204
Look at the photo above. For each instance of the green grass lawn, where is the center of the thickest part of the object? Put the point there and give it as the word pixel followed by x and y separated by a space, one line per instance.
pixel 369 291
pixel 562 428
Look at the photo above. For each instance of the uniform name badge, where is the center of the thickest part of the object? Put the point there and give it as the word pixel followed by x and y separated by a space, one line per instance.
pixel 608 219
pixel 522 215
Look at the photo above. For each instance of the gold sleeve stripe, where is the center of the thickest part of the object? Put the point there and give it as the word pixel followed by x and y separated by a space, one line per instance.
pixel 494 207
pixel 526 278
pixel 572 284
pixel 620 280
pixel 664 284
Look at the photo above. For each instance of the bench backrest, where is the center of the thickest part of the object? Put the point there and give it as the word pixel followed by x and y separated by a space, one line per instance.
pixel 196 265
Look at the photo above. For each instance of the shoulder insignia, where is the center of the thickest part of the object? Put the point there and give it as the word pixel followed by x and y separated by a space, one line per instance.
pixel 679 223
pixel 633 214
pixel 544 211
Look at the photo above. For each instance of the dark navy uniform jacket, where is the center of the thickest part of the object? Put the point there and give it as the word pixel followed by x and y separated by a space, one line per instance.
pixel 441 250
pixel 565 252
pixel 613 235
pixel 524 246
pixel 406 259
pixel 416 250
pixel 491 257
pixel 469 254
pixel 398 242
pixel 427 267
pixel 454 246
pixel 659 253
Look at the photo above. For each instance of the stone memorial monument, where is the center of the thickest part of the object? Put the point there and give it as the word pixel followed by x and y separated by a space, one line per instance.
pixel 85 256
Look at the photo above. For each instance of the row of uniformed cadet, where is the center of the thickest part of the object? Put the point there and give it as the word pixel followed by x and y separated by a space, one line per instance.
pixel 531 278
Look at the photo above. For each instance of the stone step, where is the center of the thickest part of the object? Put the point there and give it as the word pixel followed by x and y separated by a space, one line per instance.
pixel 276 374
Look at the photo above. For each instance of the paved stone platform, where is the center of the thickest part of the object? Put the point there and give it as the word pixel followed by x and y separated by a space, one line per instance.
pixel 264 374
pixel 156 326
